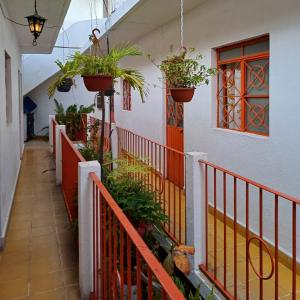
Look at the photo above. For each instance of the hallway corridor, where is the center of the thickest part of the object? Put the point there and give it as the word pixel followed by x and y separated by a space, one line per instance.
pixel 39 260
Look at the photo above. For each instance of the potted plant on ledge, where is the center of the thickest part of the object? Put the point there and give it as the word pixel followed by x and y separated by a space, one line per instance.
pixel 183 73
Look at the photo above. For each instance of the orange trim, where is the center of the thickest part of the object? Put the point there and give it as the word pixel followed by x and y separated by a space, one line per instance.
pixel 241 44
pixel 228 111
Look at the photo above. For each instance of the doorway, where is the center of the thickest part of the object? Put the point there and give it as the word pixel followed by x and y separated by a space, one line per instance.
pixel 175 140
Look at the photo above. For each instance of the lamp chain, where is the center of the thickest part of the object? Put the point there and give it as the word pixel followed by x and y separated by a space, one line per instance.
pixel 181 23
pixel 35 6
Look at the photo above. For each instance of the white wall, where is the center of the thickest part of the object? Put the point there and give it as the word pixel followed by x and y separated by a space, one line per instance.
pixel 39 67
pixel 274 160
pixel 45 106
pixel 9 134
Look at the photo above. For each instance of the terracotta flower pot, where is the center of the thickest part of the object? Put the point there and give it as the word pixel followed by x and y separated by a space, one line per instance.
pixel 182 94
pixel 65 86
pixel 98 83
pixel 144 228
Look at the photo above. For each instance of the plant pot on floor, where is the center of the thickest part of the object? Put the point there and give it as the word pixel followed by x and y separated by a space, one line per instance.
pixel 65 85
pixel 98 83
pixel 182 94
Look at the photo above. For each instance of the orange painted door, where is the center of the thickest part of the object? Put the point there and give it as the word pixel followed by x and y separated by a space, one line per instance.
pixel 175 140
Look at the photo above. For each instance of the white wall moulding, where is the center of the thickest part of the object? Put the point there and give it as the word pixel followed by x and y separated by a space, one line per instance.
pixel 85 217
pixel 114 141
pixel 10 141
pixel 51 117
pixel 58 154
pixel 195 206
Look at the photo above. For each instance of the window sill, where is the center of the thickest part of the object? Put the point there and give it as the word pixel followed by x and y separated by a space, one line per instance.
pixel 245 134
pixel 126 110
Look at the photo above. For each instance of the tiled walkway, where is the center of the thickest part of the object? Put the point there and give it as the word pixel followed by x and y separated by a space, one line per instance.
pixel 40 258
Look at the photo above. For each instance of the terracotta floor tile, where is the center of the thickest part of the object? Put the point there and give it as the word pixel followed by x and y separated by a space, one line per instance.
pixel 20 225
pixel 40 256
pixel 15 258
pixel 43 230
pixel 73 293
pixel 70 276
pixel 16 245
pixel 18 234
pixel 13 289
pixel 45 282
pixel 13 272
pixel 44 267
pixel 41 222
pixel 51 295
pixel 44 253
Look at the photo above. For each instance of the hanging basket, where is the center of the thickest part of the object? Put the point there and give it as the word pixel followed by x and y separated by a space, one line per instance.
pixel 98 83
pixel 182 94
pixel 65 85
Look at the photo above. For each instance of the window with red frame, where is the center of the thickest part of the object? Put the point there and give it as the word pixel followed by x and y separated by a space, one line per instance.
pixel 126 95
pixel 243 86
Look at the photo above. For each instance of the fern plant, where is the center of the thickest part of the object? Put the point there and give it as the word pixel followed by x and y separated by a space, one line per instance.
pixel 185 70
pixel 87 65
pixel 65 69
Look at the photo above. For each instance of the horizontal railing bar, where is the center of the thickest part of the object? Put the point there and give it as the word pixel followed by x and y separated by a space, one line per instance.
pixel 254 183
pixel 157 269
pixel 158 144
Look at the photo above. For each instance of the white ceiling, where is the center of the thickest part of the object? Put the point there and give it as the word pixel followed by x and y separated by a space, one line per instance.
pixel 146 16
pixel 53 10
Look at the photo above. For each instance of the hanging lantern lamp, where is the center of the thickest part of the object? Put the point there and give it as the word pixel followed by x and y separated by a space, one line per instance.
pixel 36 24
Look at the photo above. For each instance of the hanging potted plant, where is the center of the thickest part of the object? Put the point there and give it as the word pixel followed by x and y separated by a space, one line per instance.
pixel 183 73
pixel 99 72
pixel 64 81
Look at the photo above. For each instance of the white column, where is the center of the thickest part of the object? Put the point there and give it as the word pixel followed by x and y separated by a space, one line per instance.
pixel 85 224
pixel 58 153
pixel 51 117
pixel 114 141
pixel 195 202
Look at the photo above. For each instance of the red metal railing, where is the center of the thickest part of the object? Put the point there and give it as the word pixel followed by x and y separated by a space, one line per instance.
pixel 165 177
pixel 124 267
pixel 251 237
pixel 70 159
pixel 107 145
pixel 54 123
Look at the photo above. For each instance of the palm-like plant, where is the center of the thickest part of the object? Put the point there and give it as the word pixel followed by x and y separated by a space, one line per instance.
pixel 87 65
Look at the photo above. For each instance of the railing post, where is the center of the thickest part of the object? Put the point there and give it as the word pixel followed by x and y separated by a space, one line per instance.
pixel 114 141
pixel 85 224
pixel 58 153
pixel 51 117
pixel 195 206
